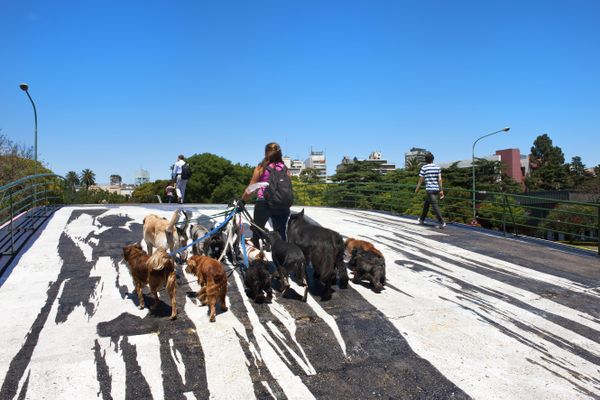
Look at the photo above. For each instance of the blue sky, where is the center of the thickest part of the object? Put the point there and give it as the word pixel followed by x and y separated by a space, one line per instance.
pixel 121 85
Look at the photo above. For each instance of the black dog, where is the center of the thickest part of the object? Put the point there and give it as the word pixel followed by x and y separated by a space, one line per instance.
pixel 214 245
pixel 323 248
pixel 257 280
pixel 367 265
pixel 288 258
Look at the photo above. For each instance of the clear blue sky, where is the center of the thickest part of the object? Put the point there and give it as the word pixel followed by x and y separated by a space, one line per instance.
pixel 121 85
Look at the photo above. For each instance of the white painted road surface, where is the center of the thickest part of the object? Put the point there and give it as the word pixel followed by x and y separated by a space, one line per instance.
pixel 464 315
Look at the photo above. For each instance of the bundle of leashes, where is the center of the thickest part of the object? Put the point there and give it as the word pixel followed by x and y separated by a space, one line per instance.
pixel 228 224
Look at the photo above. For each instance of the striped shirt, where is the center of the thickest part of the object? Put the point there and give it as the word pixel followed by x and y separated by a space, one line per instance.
pixel 431 174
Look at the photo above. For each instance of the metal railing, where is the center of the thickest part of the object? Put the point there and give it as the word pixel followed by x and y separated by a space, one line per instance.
pixel 24 203
pixel 514 213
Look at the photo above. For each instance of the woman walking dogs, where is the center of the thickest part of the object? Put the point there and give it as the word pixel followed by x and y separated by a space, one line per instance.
pixel 432 175
pixel 275 197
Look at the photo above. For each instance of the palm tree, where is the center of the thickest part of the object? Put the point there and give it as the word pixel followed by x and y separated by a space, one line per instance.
pixel 88 178
pixel 72 178
pixel 413 164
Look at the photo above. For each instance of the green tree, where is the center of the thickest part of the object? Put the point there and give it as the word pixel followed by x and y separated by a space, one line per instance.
pixel 214 180
pixel 147 192
pixel 413 164
pixel 548 169
pixel 16 162
pixel 309 175
pixel 578 174
pixel 358 171
pixel 88 178
pixel 576 221
pixel 72 179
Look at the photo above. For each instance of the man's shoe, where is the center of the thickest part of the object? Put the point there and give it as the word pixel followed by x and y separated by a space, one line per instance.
pixel 442 225
pixel 421 222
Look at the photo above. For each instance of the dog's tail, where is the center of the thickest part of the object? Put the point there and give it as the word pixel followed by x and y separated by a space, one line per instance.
pixel 159 259
pixel 186 215
pixel 174 220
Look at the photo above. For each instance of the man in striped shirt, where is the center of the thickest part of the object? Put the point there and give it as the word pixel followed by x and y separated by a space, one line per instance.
pixel 432 175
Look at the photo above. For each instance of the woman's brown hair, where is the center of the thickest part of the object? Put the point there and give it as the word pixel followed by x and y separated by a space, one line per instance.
pixel 272 154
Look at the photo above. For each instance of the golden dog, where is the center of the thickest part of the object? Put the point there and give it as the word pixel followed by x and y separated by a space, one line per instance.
pixel 212 279
pixel 155 270
pixel 162 233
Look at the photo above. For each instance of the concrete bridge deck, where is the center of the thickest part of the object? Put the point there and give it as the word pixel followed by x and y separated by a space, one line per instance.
pixel 464 314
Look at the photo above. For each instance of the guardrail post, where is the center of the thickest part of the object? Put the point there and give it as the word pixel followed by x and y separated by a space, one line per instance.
pixel 598 233
pixel 12 238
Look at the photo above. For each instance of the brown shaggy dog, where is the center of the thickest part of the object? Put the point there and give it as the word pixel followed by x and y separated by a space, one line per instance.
pixel 212 279
pixel 351 244
pixel 154 270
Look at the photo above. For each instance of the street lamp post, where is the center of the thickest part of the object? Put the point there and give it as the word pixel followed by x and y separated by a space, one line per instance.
pixel 25 87
pixel 474 221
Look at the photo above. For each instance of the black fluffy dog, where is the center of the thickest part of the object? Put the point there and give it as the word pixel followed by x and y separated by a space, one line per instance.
pixel 323 248
pixel 257 280
pixel 367 265
pixel 288 258
pixel 214 245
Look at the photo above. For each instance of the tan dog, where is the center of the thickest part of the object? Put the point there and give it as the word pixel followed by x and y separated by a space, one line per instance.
pixel 161 233
pixel 212 279
pixel 155 270
pixel 351 244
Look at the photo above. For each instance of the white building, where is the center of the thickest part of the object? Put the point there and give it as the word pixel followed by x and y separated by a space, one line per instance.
pixel 294 166
pixel 376 160
pixel 141 176
pixel 317 161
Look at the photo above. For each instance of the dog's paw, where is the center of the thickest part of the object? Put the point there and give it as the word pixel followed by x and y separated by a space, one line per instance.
pixel 141 307
pixel 212 319
pixel 173 317
pixel 224 308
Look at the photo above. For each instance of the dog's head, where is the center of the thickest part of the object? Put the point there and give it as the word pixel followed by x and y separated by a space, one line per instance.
pixel 132 249
pixel 192 265
pixel 371 263
pixel 273 236
pixel 214 245
pixel 294 220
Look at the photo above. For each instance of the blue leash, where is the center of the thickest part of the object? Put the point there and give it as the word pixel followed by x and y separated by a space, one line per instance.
pixel 214 230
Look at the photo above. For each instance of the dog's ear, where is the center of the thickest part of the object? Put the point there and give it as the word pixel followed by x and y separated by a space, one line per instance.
pixel 301 213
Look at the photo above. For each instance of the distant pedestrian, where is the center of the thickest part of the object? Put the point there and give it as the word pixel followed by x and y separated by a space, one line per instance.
pixel 432 175
pixel 181 174
pixel 170 191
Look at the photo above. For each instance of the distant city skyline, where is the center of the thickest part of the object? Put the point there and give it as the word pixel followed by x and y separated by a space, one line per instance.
pixel 126 85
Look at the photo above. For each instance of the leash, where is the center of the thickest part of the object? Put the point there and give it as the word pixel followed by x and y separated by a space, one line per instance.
pixel 251 220
pixel 205 217
pixel 212 232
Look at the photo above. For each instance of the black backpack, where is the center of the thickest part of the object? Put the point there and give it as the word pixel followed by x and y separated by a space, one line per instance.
pixel 279 194
pixel 186 171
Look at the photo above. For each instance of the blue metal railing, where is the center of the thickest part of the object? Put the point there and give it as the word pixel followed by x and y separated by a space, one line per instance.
pixel 27 197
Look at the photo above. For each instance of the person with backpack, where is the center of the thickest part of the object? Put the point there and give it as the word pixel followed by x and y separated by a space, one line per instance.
pixel 274 196
pixel 181 173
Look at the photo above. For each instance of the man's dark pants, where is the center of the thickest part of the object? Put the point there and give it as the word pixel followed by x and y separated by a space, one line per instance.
pixel 433 198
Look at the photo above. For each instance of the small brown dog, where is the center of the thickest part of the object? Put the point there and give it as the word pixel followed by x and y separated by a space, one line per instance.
pixel 212 279
pixel 154 270
pixel 351 244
